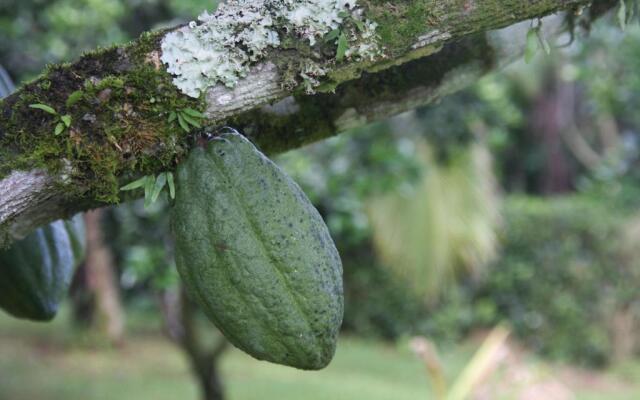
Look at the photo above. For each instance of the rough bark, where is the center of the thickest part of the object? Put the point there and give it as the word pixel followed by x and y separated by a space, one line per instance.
pixel 459 41
pixel 181 326
pixel 109 314
pixel 547 121
pixel 82 299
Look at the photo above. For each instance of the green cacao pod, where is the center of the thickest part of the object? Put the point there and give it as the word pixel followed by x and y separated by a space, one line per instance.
pixel 255 254
pixel 77 236
pixel 36 271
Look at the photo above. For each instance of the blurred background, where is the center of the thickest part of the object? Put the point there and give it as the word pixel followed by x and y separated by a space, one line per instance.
pixel 490 242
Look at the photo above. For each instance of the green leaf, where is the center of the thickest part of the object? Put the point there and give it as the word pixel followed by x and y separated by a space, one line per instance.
pixel 359 24
pixel 332 35
pixel 66 119
pixel 59 128
pixel 342 47
pixel 622 15
pixel 148 190
pixel 183 123
pixel 161 180
pixel 172 116
pixel 172 186
pixel 531 45
pixel 44 108
pixel 193 113
pixel 190 120
pixel 543 42
pixel 343 14
pixel 74 98
pixel 138 183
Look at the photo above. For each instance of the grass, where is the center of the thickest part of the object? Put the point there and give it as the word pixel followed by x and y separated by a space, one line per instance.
pixel 37 363
pixel 51 362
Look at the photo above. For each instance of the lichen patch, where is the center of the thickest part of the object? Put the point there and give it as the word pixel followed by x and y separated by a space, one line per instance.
pixel 220 47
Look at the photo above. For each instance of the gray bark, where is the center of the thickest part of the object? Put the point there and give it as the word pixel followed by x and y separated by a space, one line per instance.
pixel 101 278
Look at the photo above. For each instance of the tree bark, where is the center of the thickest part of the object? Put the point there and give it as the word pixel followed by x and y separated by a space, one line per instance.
pixel 83 305
pixel 547 121
pixel 118 137
pixel 101 279
pixel 181 326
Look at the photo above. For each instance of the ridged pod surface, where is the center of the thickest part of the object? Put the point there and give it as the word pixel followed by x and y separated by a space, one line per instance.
pixel 77 235
pixel 36 271
pixel 256 255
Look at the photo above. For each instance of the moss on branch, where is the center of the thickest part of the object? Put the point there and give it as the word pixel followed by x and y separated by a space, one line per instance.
pixel 119 99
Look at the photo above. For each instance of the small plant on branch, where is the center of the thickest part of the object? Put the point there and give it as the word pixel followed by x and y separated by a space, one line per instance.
pixel 153 186
pixel 63 121
pixel 187 118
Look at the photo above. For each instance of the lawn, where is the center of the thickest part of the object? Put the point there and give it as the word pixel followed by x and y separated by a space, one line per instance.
pixel 50 362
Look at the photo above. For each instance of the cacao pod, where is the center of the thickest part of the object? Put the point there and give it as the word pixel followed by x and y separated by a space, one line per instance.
pixel 36 271
pixel 256 255
pixel 77 235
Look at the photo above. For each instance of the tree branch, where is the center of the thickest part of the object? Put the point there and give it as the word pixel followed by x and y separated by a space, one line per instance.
pixel 119 100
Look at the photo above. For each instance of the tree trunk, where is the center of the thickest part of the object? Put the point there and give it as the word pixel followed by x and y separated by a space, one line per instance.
pixel 548 120
pixel 101 279
pixel 623 328
pixel 83 304
pixel 182 327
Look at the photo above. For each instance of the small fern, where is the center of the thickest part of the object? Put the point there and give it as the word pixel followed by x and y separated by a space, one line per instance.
pixel 153 186
pixel 187 118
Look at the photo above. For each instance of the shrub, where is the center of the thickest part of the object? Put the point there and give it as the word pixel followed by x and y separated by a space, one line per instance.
pixel 377 303
pixel 563 274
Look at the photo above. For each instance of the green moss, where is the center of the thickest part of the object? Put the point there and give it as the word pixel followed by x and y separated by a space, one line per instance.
pixel 401 23
pixel 399 26
pixel 277 133
pixel 119 120
pixel 45 84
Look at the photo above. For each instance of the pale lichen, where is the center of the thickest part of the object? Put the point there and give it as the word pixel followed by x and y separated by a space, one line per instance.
pixel 310 73
pixel 313 19
pixel 365 43
pixel 220 47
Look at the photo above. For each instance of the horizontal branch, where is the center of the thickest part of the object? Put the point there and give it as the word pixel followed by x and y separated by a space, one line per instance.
pixel 120 98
